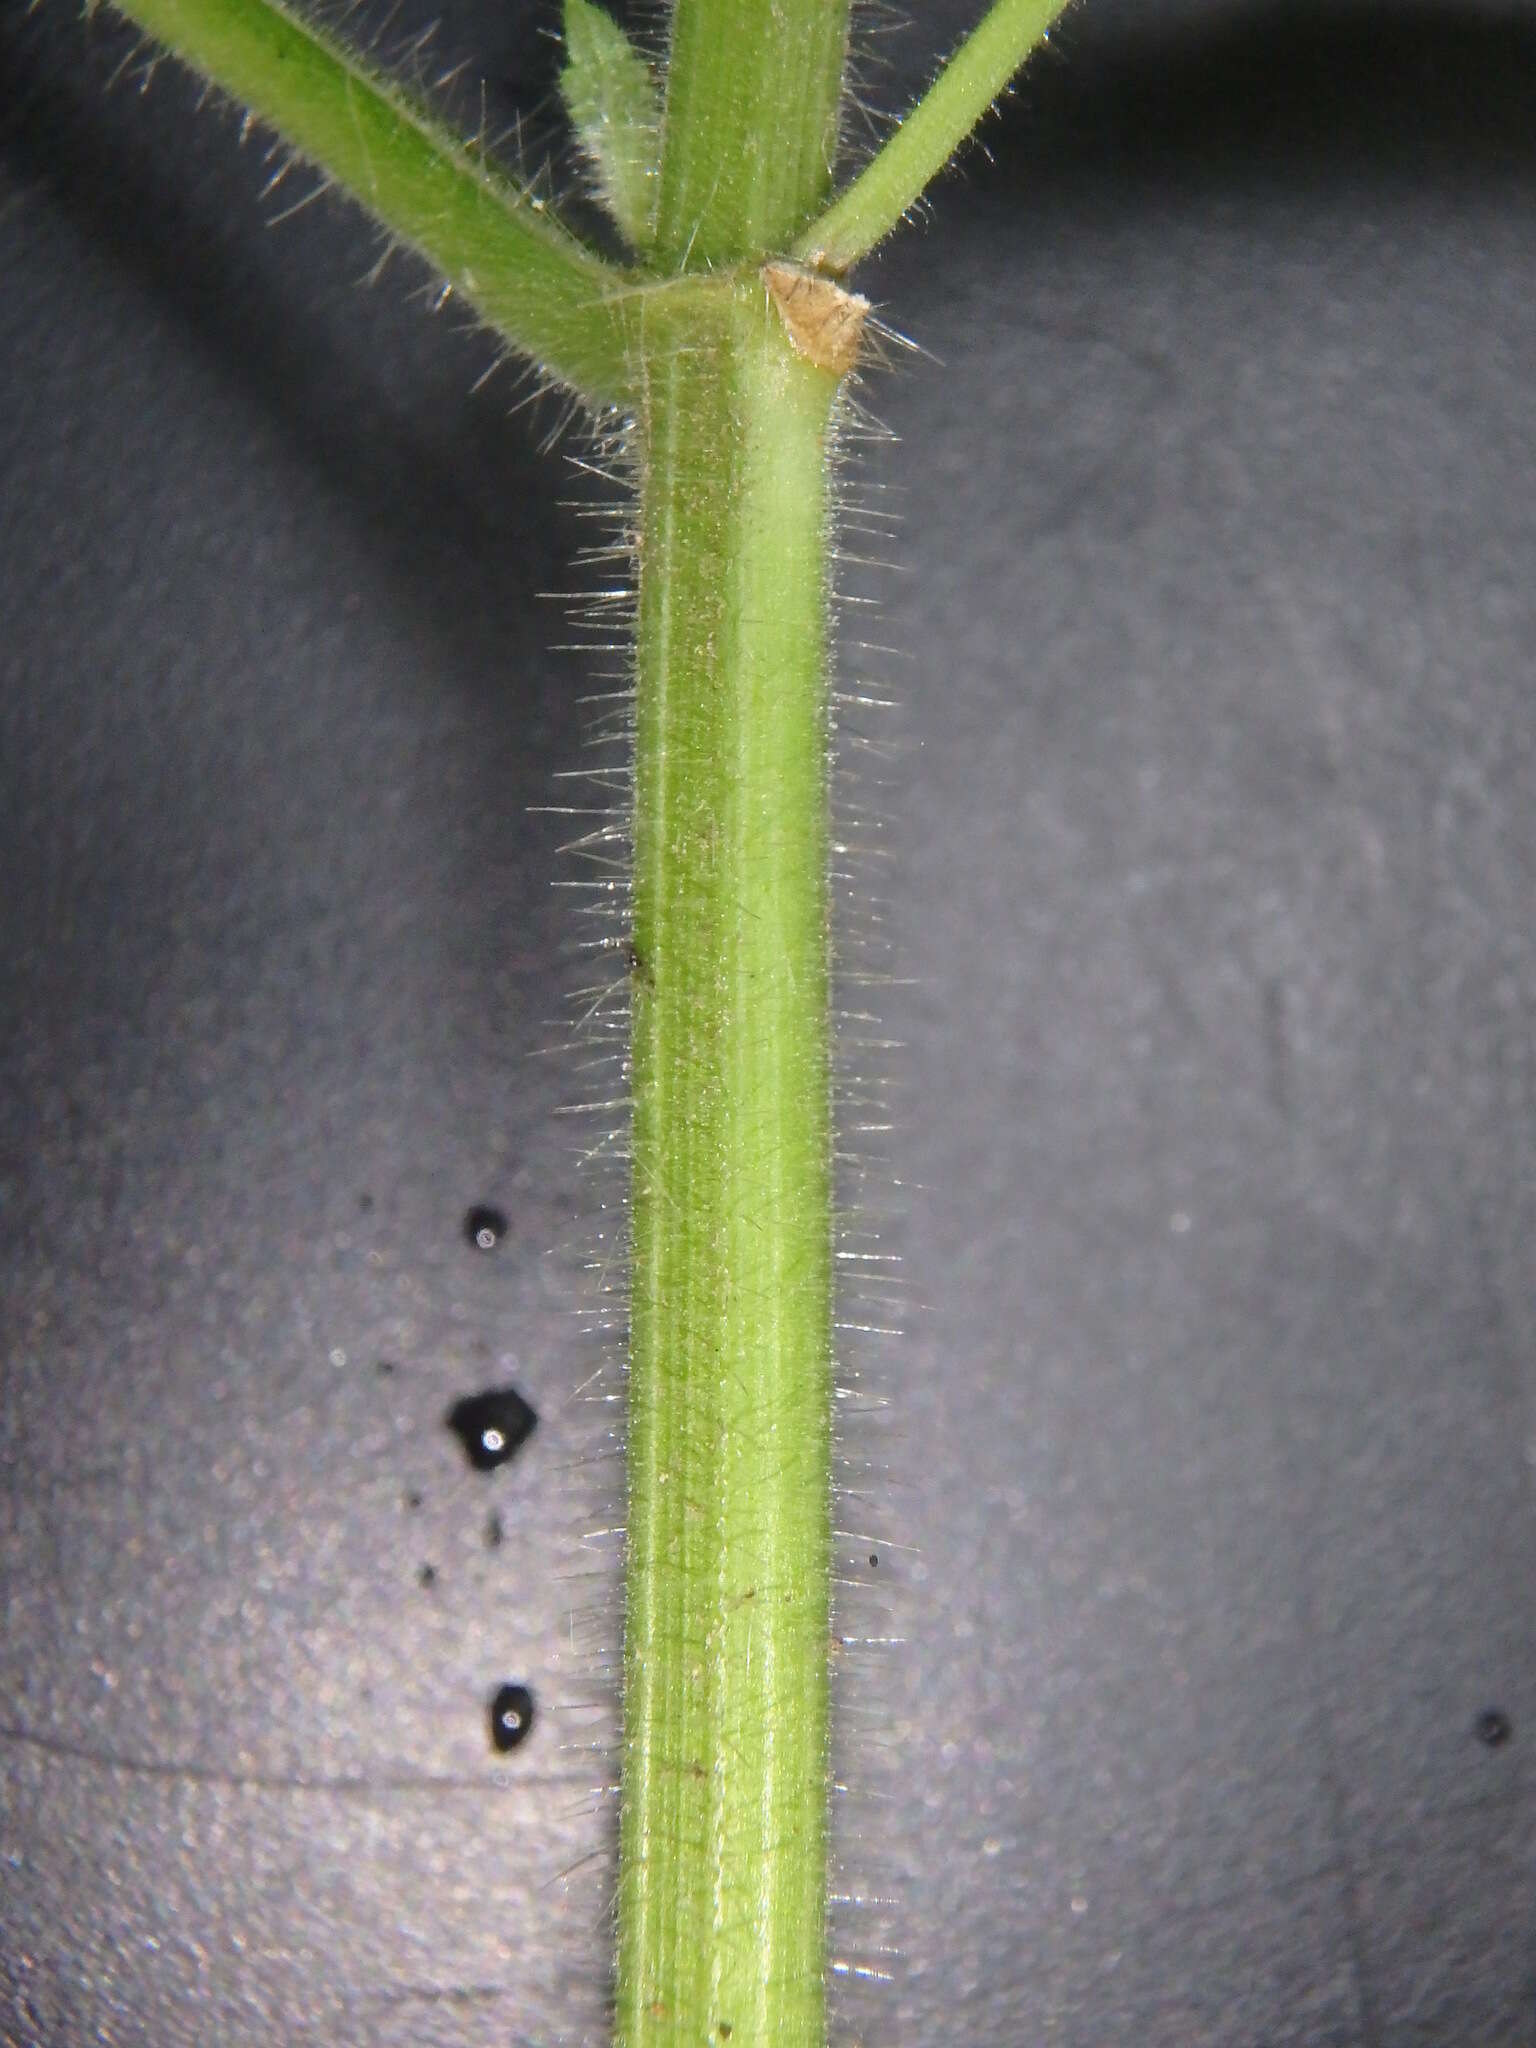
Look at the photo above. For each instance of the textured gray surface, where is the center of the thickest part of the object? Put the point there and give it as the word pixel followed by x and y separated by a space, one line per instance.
pixel 1214 819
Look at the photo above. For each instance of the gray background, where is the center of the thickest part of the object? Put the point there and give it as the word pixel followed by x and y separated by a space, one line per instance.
pixel 1201 1481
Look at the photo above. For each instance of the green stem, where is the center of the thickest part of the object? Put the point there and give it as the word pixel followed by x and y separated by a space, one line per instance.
pixel 880 197
pixel 749 132
pixel 548 294
pixel 731 379
pixel 723 1830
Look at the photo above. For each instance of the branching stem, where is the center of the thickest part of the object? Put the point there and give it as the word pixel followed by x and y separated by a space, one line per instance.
pixel 880 197
pixel 494 243
pixel 727 357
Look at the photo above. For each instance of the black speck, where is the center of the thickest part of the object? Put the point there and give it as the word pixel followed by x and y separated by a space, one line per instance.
pixel 365 1203
pixel 1493 1728
pixel 386 1368
pixel 724 2030
pixel 492 1426
pixel 413 1499
pixel 427 1576
pixel 493 1531
pixel 511 1717
pixel 485 1228
pixel 874 1559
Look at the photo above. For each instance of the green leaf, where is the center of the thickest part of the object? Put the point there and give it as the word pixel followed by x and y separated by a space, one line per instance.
pixel 615 108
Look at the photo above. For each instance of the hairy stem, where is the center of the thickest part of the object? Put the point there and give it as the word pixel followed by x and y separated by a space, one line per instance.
pixel 879 198
pixel 723 1831
pixel 749 133
pixel 728 358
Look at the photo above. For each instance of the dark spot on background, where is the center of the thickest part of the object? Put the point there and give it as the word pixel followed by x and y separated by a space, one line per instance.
pixel 1493 1728
pixel 492 1426
pixel 484 1227
pixel 511 1717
